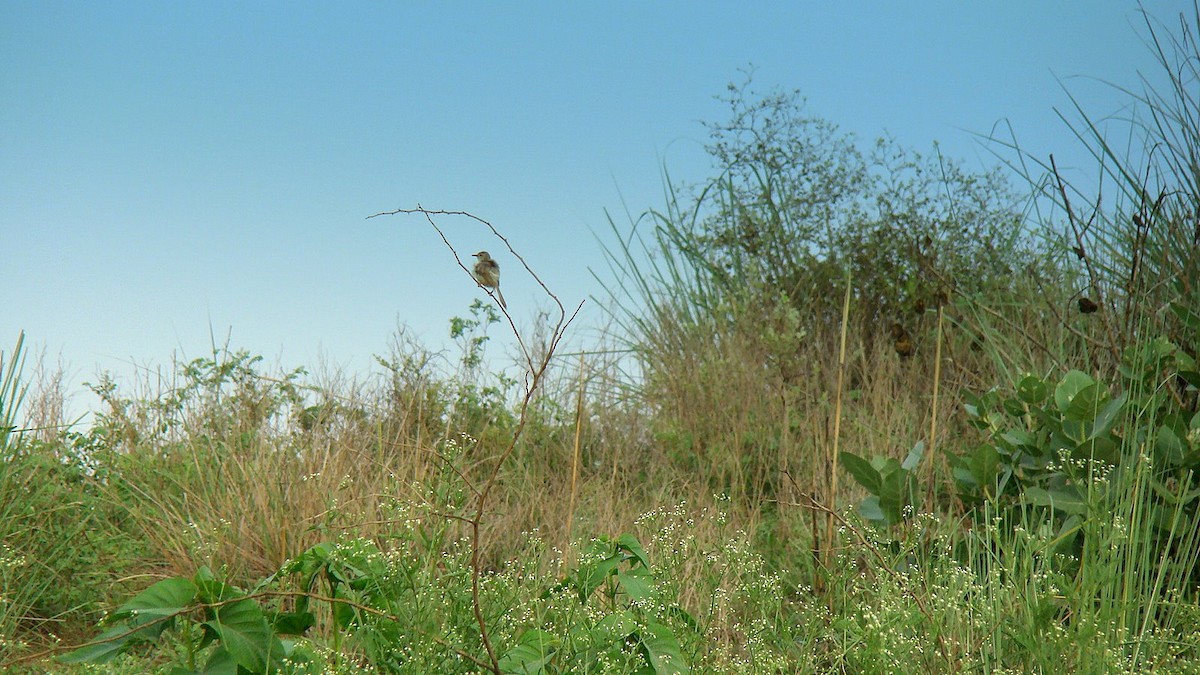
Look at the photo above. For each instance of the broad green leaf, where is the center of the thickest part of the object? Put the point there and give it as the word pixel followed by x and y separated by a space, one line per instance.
pixel 1014 408
pixel 291 623
pixel 1032 390
pixel 869 509
pixel 984 463
pixel 913 460
pixel 1072 383
pixel 1168 447
pixel 1019 438
pixel 1076 431
pixel 614 627
pixel 534 649
pixel 634 547
pixel 149 609
pixel 662 650
pixel 885 465
pixel 863 472
pixel 964 476
pixel 1086 403
pixel 1107 417
pixel 1061 499
pixel 593 575
pixel 893 495
pixel 221 663
pixel 104 647
pixel 169 596
pixel 1103 449
pixel 636 582
pixel 246 635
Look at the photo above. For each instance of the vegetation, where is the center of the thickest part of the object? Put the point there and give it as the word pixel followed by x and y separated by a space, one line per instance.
pixel 877 413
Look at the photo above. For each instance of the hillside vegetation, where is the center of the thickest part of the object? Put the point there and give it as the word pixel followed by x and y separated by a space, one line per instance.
pixel 860 409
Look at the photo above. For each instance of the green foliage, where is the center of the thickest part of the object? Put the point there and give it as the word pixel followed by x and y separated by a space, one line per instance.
pixel 58 550
pixel 798 204
pixel 373 598
pixel 203 611
pixel 1037 435
pixel 892 485
pixel 619 571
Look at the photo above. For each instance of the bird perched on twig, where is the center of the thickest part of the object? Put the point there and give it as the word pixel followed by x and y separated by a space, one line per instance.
pixel 487 273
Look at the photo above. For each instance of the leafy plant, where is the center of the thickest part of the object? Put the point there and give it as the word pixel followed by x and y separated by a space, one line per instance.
pixel 619 573
pixel 203 611
pixel 892 484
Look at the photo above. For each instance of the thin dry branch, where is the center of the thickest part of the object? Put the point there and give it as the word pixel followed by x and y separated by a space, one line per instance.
pixel 536 371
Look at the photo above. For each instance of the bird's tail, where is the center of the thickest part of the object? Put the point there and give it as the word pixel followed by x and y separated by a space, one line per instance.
pixel 500 297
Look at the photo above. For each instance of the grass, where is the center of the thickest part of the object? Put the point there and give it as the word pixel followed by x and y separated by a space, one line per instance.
pixel 731 576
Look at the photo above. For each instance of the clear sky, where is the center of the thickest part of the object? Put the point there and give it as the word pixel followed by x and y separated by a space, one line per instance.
pixel 170 166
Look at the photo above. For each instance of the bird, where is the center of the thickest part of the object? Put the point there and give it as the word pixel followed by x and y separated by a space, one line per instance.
pixel 1086 306
pixel 487 274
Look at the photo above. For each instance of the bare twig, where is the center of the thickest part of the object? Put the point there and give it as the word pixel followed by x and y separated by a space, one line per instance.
pixel 535 374
pixel 1080 232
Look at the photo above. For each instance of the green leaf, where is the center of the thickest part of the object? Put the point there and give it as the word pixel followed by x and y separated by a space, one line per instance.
pixel 1085 404
pixel 1032 390
pixel 616 626
pixel 1168 447
pixel 661 649
pixel 913 460
pixel 291 623
pixel 151 609
pixel 1103 449
pixel 246 635
pixel 964 476
pixel 1019 439
pixel 869 508
pixel 592 576
pixel 534 649
pixel 893 495
pixel 637 582
pixel 863 472
pixel 984 464
pixel 102 649
pixel 630 544
pixel 1014 408
pixel 1072 383
pixel 221 663
pixel 1061 499
pixel 1107 417
pixel 169 596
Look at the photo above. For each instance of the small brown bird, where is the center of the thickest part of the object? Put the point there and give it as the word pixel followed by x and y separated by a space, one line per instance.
pixel 487 273
pixel 901 341
pixel 1086 306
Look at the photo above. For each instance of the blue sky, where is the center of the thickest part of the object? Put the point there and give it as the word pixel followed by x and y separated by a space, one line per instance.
pixel 170 166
